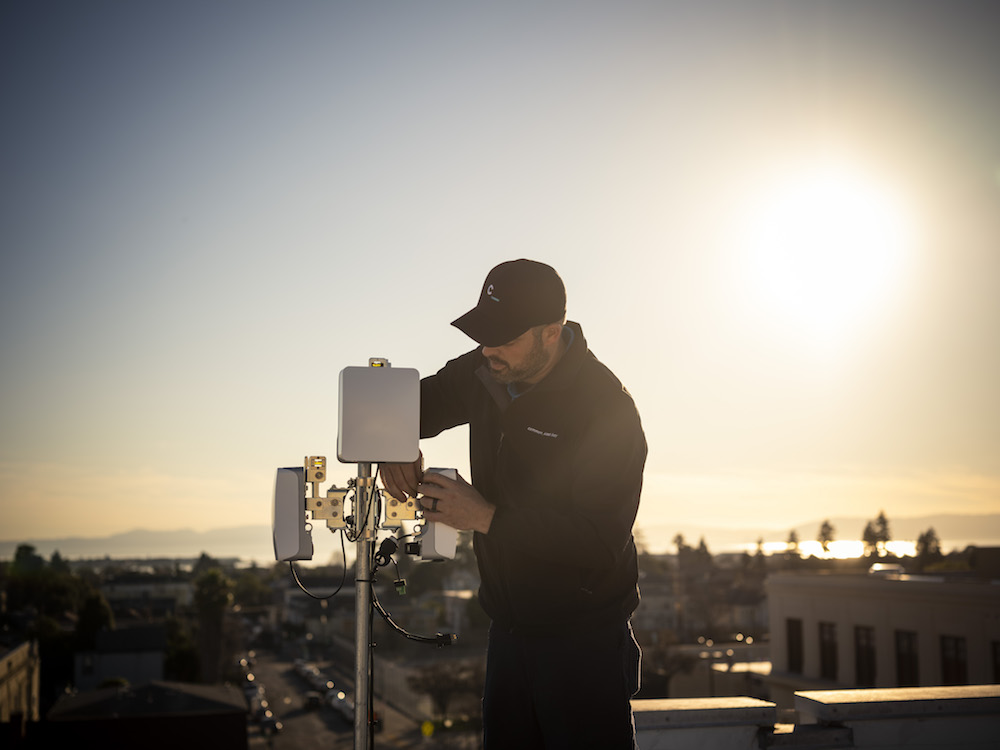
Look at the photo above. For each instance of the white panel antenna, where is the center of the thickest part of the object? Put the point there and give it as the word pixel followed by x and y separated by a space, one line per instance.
pixel 437 540
pixel 379 414
pixel 292 540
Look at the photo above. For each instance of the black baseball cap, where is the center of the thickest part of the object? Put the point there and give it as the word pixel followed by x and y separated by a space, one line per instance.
pixel 517 295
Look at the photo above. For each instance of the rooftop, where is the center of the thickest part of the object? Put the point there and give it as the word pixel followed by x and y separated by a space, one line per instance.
pixel 932 718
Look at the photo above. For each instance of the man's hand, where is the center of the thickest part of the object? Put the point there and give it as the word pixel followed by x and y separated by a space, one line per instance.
pixel 401 480
pixel 455 503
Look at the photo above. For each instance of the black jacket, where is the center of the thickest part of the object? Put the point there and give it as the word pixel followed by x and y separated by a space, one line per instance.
pixel 563 464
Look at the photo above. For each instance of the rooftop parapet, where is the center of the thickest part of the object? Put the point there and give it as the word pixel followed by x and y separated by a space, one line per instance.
pixel 961 716
pixel 694 723
pixel 930 718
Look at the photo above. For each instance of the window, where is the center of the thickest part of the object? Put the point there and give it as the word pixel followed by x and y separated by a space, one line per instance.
pixel 864 656
pixel 828 650
pixel 954 665
pixel 793 634
pixel 907 672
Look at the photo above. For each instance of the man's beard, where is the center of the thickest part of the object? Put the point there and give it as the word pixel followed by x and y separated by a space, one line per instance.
pixel 534 363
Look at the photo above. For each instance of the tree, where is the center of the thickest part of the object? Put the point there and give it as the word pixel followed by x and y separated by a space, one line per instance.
pixel 181 660
pixel 684 555
pixel 95 615
pixel 58 564
pixel 45 598
pixel 203 563
pixel 882 535
pixel 680 544
pixel 26 560
pixel 793 542
pixel 212 598
pixel 250 589
pixel 928 548
pixel 445 679
pixel 793 555
pixel 826 532
pixel 702 555
pixel 652 564
pixel 760 559
pixel 870 539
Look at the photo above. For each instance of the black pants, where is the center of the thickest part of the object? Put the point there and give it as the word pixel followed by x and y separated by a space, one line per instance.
pixel 560 692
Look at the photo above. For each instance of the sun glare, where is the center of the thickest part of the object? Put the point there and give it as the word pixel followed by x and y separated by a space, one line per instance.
pixel 823 250
pixel 841 549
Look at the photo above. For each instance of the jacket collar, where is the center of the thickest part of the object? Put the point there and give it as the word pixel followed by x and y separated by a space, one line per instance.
pixel 566 369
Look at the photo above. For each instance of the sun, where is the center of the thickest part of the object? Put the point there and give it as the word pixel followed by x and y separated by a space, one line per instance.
pixel 823 250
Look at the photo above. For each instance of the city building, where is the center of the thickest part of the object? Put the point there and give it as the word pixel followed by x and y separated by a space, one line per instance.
pixel 930 718
pixel 887 630
pixel 135 654
pixel 165 715
pixel 147 597
pixel 19 689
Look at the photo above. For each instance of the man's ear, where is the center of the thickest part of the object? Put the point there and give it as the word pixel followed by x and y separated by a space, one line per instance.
pixel 551 333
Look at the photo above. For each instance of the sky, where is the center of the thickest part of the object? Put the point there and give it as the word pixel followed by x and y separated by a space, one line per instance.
pixel 778 224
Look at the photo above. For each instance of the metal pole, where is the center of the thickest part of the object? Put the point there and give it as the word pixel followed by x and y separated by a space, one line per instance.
pixel 365 521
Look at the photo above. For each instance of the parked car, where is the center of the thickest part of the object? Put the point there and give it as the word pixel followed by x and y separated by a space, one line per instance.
pixel 321 682
pixel 270 724
pixel 886 569
pixel 312 700
pixel 261 711
pixel 254 693
pixel 340 702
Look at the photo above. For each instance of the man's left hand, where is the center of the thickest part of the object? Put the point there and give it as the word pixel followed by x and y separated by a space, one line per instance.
pixel 455 503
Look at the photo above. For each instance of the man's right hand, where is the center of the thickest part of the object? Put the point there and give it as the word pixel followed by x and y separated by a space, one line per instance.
pixel 401 480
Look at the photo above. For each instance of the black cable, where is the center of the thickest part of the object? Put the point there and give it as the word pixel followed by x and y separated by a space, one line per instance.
pixel 352 537
pixel 438 639
pixel 383 557
pixel 374 497
pixel 385 552
pixel 343 574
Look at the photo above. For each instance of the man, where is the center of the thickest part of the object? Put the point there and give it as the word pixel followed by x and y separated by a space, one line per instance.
pixel 557 455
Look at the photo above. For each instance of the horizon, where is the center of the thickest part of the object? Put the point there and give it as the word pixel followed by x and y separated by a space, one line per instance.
pixel 777 224
pixel 720 541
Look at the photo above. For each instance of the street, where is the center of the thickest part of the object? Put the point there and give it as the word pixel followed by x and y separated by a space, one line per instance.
pixel 322 728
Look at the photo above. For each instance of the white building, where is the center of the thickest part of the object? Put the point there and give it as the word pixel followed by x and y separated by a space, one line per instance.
pixel 887 631
pixel 137 593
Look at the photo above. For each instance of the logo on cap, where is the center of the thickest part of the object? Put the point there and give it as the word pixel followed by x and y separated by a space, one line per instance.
pixel 524 293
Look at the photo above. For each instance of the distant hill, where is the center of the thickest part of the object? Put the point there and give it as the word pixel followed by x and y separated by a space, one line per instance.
pixel 247 542
pixel 254 542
